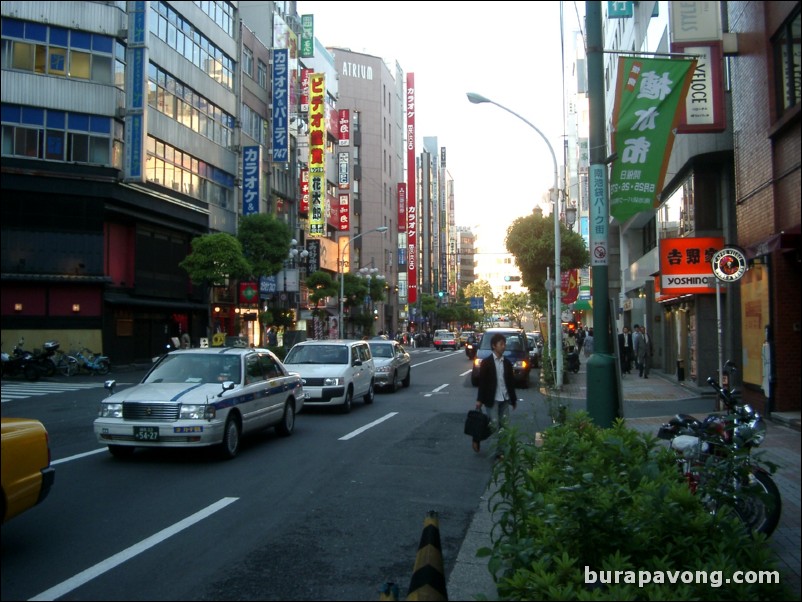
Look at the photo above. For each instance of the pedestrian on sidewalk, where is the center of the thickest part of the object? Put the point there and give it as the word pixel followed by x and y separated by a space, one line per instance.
pixel 496 386
pixel 644 350
pixel 587 344
pixel 625 350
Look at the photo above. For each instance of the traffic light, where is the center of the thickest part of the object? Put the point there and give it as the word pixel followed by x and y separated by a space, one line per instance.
pixel 440 294
pixel 512 278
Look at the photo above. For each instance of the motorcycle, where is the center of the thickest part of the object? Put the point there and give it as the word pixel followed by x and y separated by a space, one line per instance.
pixel 45 360
pixel 714 455
pixel 20 363
pixel 572 359
pixel 470 348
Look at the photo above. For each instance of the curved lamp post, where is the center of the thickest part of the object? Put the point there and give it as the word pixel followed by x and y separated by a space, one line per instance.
pixel 342 272
pixel 558 377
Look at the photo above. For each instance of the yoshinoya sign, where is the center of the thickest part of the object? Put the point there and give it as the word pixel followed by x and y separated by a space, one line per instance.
pixel 729 264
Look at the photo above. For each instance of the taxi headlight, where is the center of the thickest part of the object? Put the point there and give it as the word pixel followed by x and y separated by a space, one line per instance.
pixel 333 381
pixel 383 369
pixel 111 410
pixel 196 411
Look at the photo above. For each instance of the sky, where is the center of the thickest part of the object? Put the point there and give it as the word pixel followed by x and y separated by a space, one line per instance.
pixel 509 52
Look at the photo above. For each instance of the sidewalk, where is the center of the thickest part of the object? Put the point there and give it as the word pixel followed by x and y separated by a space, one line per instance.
pixel 470 577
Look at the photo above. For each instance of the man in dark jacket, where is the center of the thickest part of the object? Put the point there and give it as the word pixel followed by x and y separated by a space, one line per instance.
pixel 494 391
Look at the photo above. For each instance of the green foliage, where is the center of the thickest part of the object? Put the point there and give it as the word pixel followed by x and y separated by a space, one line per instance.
pixel 589 499
pixel 516 305
pixel 531 240
pixel 214 258
pixel 265 242
pixel 321 285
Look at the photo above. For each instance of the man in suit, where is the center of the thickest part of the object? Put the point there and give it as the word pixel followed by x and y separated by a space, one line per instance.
pixel 496 384
pixel 642 344
pixel 625 350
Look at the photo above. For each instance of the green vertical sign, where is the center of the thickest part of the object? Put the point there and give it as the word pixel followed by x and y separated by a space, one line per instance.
pixel 648 95
pixel 307 49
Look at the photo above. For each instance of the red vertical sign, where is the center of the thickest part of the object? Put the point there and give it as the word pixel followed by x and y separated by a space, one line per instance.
pixel 343 127
pixel 412 214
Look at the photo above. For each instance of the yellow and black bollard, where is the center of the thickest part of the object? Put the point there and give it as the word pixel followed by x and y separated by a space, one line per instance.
pixel 428 578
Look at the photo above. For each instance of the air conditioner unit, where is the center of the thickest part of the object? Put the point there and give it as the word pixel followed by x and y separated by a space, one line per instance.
pixel 120 113
pixel 235 148
pixel 122 33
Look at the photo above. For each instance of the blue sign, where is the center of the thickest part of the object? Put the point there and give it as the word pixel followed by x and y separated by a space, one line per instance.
pixel 268 285
pixel 281 105
pixel 251 177
pixel 477 302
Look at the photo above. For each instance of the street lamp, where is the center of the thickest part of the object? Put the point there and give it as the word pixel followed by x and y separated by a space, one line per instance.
pixel 570 217
pixel 342 273
pixel 558 376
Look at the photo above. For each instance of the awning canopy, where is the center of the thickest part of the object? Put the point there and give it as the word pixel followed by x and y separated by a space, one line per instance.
pixel 583 305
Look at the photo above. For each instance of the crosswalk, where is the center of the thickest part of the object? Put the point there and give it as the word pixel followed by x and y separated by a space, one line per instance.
pixel 10 391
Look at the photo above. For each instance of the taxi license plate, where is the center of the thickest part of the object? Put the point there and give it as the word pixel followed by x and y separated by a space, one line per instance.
pixel 146 433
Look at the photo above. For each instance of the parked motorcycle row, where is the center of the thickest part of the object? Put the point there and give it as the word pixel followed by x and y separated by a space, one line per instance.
pixel 50 360
pixel 715 457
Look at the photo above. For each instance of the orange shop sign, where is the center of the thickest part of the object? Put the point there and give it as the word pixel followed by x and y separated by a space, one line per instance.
pixel 685 265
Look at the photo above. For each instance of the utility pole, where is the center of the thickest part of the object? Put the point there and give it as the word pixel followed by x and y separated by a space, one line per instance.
pixel 602 386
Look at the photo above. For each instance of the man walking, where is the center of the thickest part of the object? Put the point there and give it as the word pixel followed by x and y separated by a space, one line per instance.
pixel 496 385
pixel 642 344
pixel 625 350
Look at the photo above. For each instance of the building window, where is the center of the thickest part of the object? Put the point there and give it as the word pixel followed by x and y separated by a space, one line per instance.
pixel 787 63
pixel 262 74
pixel 247 61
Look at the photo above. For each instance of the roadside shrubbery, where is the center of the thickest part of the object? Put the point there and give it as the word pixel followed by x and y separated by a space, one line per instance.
pixel 591 500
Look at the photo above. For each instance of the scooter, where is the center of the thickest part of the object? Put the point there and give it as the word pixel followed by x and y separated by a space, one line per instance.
pixel 20 363
pixel 572 359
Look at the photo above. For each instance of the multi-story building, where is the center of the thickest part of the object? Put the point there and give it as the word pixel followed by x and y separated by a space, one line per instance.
pixel 370 102
pixel 119 134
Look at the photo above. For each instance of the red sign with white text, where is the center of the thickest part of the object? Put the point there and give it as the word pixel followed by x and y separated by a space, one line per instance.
pixel 685 265
pixel 344 127
pixel 344 212
pixel 412 214
pixel 304 182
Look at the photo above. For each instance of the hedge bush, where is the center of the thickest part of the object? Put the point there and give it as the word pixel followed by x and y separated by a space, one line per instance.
pixel 590 500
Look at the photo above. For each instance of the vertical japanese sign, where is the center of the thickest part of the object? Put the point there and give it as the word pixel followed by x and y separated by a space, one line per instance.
pixel 317 154
pixel 304 183
pixel 402 207
pixel 281 105
pixel 136 81
pixel 305 73
pixel 599 217
pixel 251 178
pixel 307 36
pixel 412 214
pixel 343 180
pixel 344 211
pixel 343 127
pixel 648 96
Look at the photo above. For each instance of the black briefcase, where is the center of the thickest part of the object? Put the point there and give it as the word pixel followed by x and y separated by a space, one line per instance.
pixel 477 425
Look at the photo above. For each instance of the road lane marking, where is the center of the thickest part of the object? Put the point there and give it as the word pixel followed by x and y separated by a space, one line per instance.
pixel 83 577
pixel 437 390
pixel 362 429
pixel 79 456
pixel 434 359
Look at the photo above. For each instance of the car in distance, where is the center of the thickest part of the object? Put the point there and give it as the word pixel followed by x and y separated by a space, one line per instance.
pixel 334 372
pixel 27 475
pixel 446 340
pixel 200 398
pixel 517 352
pixel 393 364
pixel 535 341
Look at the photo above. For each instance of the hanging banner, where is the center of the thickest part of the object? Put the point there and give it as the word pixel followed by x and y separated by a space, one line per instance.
pixel 569 286
pixel 648 96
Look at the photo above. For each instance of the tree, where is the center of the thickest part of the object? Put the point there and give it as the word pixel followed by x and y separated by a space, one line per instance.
pixel 214 259
pixel 531 240
pixel 265 242
pixel 516 305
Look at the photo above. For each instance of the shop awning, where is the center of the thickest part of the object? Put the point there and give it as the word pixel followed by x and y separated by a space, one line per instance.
pixel 583 305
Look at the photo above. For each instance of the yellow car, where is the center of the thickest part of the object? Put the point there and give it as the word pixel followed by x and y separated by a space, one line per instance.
pixel 26 472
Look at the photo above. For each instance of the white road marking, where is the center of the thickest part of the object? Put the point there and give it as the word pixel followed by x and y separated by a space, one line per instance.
pixel 79 456
pixel 437 390
pixel 362 429
pixel 83 577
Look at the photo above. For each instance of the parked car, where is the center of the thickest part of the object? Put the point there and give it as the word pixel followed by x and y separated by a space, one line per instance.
pixel 27 475
pixel 535 341
pixel 446 340
pixel 393 364
pixel 201 397
pixel 334 372
pixel 517 351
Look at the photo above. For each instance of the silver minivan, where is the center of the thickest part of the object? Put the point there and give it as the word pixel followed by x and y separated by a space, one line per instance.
pixel 333 372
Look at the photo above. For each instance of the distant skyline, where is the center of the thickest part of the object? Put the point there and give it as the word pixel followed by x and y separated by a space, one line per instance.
pixel 508 52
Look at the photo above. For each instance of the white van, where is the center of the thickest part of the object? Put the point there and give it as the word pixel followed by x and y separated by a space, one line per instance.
pixel 333 372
